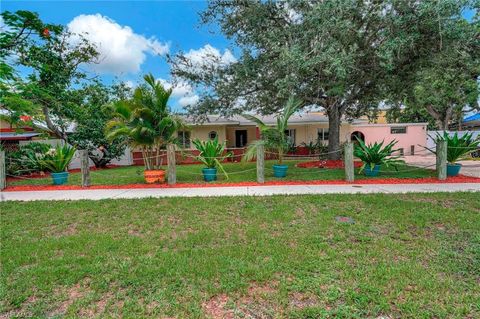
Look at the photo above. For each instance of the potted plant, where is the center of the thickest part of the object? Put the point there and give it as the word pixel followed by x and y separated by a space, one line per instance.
pixel 147 123
pixel 274 137
pixel 457 147
pixel 56 160
pixel 374 155
pixel 212 154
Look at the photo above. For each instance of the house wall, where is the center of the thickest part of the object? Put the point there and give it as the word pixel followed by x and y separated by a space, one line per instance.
pixel 309 132
pixel 416 135
pixel 202 132
pixel 251 134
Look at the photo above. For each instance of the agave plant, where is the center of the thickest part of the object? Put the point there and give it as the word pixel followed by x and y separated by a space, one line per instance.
pixel 274 137
pixel 146 121
pixel 56 160
pixel 457 147
pixel 376 154
pixel 212 153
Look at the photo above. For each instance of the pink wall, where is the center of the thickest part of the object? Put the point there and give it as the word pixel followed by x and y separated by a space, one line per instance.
pixel 416 135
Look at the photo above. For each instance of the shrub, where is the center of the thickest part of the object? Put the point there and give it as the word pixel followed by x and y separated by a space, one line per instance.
pixel 457 147
pixel 212 153
pixel 56 160
pixel 376 154
pixel 26 159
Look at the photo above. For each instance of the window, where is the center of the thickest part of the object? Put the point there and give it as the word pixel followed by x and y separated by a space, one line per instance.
pixel 212 135
pixel 398 130
pixel 291 135
pixel 322 134
pixel 184 139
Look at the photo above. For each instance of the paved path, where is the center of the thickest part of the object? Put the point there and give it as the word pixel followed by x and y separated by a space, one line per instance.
pixel 97 194
pixel 469 168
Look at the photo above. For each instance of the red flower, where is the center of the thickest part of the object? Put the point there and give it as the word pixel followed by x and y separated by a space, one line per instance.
pixel 46 33
pixel 25 118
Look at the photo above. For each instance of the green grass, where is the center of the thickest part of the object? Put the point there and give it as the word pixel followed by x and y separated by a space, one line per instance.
pixel 238 172
pixel 406 256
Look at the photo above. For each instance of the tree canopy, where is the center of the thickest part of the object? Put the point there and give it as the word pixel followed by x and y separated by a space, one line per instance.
pixel 344 56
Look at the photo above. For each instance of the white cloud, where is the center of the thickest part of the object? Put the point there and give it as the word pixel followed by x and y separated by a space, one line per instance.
pixel 121 50
pixel 208 56
pixel 189 100
pixel 180 89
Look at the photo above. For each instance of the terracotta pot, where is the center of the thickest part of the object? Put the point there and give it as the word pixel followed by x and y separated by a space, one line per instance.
pixel 154 176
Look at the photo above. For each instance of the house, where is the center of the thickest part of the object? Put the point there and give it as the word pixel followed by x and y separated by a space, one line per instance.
pixel 237 132
pixel 12 135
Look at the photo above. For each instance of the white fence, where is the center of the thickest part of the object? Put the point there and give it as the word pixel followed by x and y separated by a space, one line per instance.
pixel 125 160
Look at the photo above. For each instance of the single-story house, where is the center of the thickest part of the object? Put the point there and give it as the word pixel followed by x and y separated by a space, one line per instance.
pixel 237 132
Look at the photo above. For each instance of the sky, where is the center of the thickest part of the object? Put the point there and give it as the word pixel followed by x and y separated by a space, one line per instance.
pixel 134 36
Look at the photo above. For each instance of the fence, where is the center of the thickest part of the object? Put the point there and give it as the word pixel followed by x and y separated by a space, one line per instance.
pixel 258 171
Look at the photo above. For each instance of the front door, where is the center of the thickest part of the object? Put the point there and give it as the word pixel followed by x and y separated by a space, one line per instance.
pixel 240 138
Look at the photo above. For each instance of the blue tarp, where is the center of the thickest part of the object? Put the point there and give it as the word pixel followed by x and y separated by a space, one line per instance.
pixel 474 117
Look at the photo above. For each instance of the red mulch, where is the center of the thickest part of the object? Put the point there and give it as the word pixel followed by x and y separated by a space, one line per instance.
pixel 325 164
pixel 46 174
pixel 427 180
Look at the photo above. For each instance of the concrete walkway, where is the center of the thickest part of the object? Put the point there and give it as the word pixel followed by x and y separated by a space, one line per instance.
pixel 96 194
pixel 469 168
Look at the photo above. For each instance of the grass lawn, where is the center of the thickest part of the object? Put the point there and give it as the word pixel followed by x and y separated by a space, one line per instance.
pixel 406 256
pixel 238 172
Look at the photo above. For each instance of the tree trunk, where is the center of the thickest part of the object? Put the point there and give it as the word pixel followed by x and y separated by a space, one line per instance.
pixel 334 119
pixel 51 126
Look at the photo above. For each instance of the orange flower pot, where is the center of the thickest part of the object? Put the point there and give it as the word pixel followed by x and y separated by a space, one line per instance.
pixel 154 176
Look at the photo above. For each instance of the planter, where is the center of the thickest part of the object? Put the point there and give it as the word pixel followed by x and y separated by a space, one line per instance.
pixel 154 176
pixel 59 178
pixel 280 170
pixel 372 172
pixel 453 169
pixel 209 174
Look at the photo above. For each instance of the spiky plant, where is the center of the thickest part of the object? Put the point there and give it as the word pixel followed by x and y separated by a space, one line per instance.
pixel 212 153
pixel 146 121
pixel 376 154
pixel 273 137
pixel 56 160
pixel 457 147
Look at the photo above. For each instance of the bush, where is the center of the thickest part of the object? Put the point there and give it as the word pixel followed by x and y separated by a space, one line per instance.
pixel 56 160
pixel 376 154
pixel 25 160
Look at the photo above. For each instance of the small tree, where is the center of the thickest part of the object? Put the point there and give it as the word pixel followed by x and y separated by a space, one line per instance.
pixel 274 137
pixel 91 114
pixel 146 121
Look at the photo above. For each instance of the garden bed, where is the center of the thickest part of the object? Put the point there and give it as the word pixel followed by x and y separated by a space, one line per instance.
pixel 428 180
pixel 240 174
pixel 326 164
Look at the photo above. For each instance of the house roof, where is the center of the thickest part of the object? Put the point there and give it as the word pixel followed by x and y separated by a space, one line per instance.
pixel 301 118
pixel 14 136
pixel 471 118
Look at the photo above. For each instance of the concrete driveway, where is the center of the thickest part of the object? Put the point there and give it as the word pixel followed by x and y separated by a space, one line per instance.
pixel 469 168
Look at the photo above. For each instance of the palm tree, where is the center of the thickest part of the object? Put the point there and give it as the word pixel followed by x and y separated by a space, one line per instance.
pixel 146 121
pixel 274 137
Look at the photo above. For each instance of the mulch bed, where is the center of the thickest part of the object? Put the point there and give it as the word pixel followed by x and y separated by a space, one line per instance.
pixel 427 180
pixel 46 174
pixel 326 164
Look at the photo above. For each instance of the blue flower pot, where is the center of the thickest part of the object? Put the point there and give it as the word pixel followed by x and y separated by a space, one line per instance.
pixel 372 172
pixel 209 174
pixel 280 170
pixel 59 178
pixel 453 169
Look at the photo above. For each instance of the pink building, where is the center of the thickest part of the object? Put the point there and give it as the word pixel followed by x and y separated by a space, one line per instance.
pixel 410 136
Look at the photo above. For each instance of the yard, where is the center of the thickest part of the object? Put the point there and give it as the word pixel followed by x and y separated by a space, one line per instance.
pixel 238 172
pixel 408 256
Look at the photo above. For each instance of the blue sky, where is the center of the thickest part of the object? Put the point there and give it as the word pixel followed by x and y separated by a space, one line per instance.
pixel 172 24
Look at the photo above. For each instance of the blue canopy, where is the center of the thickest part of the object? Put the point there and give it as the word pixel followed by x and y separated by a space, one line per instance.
pixel 474 117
